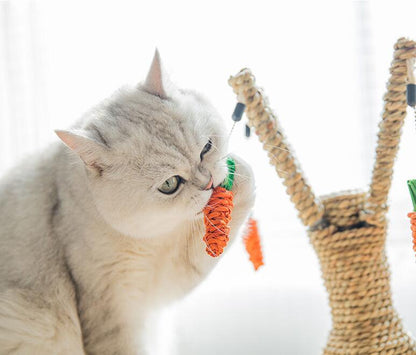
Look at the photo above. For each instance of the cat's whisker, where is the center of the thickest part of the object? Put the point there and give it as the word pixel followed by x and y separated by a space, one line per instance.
pixel 209 248
pixel 245 177
pixel 275 146
pixel 207 218
pixel 214 146
pixel 220 141
pixel 196 205
pixel 212 206
pixel 223 157
pixel 214 135
pixel 272 156
pixel 207 205
pixel 194 200
pixel 239 174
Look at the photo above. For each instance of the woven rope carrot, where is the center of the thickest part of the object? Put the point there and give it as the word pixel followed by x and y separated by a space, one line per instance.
pixel 412 215
pixel 217 214
pixel 252 244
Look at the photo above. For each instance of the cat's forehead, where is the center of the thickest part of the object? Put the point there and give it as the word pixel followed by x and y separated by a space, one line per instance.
pixel 177 118
pixel 136 124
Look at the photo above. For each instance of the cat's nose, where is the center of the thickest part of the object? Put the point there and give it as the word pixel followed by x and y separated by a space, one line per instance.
pixel 210 184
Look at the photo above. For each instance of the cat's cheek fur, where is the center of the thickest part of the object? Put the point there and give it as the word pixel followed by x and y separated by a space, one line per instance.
pixel 134 213
pixel 143 217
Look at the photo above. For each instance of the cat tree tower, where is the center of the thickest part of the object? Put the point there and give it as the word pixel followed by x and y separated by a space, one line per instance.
pixel 347 229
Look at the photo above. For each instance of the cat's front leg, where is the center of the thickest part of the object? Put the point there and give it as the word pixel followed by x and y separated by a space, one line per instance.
pixel 112 300
pixel 108 330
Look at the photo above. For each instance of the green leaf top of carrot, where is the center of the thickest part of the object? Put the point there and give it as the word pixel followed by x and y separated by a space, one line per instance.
pixel 411 184
pixel 229 180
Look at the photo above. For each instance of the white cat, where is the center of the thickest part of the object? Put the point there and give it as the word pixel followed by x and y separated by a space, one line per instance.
pixel 95 237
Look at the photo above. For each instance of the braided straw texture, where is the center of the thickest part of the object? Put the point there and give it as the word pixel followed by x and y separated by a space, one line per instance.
pixel 389 132
pixel 274 142
pixel 356 275
pixel 347 229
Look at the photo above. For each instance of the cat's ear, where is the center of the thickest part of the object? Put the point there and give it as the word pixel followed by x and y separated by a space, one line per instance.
pixel 89 150
pixel 156 80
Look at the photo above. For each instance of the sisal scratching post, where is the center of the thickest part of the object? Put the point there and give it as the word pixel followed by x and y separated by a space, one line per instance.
pixel 347 229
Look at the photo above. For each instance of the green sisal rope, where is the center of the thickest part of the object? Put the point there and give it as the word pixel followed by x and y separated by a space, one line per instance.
pixel 411 184
pixel 229 180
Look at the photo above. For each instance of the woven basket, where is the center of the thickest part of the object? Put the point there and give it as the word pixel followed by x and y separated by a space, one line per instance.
pixel 347 229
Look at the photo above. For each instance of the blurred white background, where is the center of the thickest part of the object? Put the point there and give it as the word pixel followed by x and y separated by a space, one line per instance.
pixel 323 65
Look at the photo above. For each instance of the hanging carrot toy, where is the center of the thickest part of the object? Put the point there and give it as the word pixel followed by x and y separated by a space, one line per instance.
pixel 252 244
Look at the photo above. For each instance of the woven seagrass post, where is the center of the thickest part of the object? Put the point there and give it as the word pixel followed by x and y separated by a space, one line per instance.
pixel 346 229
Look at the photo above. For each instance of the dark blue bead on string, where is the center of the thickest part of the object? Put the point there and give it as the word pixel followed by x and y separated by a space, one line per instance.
pixel 411 95
pixel 248 131
pixel 237 115
pixel 411 86
pixel 238 112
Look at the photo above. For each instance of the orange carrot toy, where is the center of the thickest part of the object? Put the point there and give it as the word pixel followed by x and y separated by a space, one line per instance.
pixel 217 214
pixel 252 243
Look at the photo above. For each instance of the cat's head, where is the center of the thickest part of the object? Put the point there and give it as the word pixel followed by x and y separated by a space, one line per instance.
pixel 152 154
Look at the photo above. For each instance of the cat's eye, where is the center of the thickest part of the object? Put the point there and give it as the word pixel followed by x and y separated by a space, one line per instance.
pixel 171 185
pixel 206 148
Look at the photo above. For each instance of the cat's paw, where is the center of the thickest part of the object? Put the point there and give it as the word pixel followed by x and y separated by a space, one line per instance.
pixel 243 191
